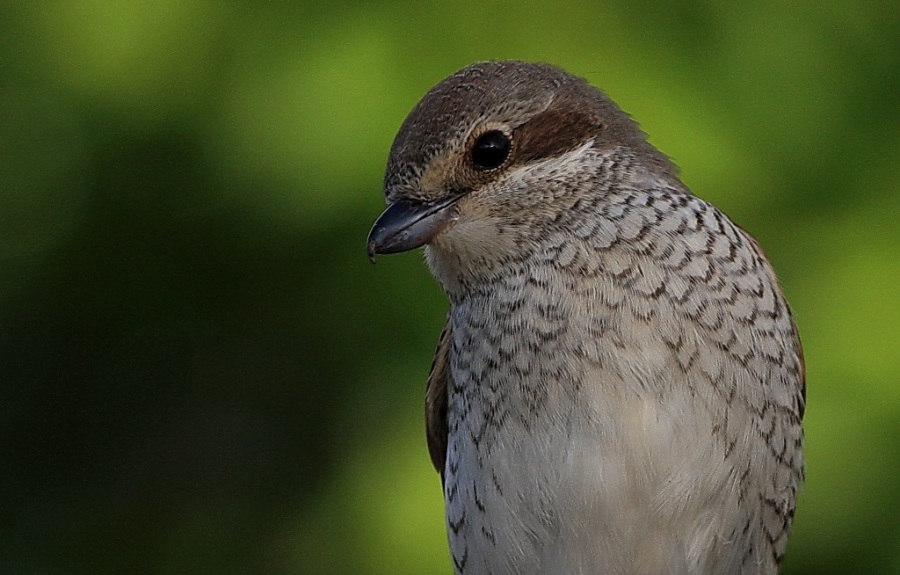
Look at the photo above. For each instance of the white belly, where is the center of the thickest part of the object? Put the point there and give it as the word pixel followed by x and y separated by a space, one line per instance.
pixel 634 487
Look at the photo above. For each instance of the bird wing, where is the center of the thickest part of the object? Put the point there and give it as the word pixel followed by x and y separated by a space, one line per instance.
pixel 436 401
pixel 801 374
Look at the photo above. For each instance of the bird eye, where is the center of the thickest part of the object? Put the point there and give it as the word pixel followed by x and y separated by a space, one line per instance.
pixel 490 150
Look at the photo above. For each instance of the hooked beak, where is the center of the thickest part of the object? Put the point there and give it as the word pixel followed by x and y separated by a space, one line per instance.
pixel 407 224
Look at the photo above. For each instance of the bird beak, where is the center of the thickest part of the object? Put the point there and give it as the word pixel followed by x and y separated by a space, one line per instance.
pixel 408 224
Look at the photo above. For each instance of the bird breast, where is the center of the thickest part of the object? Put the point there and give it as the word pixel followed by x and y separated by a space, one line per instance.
pixel 595 411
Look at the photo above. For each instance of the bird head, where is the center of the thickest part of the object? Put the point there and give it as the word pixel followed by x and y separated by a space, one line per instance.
pixel 494 152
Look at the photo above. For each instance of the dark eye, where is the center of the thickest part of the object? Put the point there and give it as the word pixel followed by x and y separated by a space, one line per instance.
pixel 490 150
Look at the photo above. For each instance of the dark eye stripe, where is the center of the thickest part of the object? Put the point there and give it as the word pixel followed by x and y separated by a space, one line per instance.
pixel 554 132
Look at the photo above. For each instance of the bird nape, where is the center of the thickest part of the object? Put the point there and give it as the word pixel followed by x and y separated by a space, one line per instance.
pixel 619 385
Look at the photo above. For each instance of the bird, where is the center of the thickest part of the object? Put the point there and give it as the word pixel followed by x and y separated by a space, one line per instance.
pixel 619 385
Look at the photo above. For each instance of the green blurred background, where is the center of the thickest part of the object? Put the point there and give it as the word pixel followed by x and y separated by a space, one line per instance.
pixel 202 373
